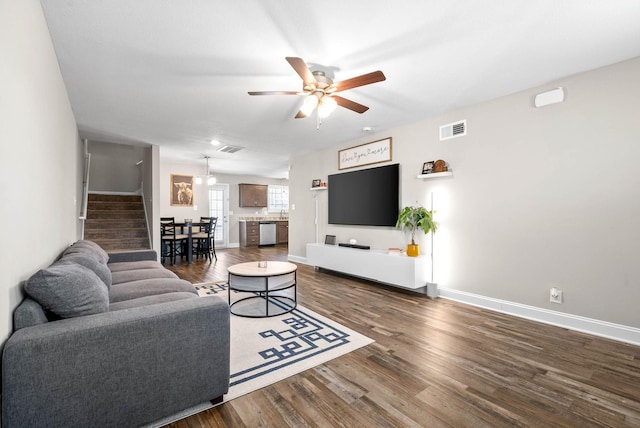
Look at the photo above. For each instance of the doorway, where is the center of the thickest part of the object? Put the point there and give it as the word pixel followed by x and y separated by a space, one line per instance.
pixel 219 207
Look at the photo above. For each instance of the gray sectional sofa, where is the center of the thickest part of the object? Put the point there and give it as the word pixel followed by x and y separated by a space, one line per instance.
pixel 111 340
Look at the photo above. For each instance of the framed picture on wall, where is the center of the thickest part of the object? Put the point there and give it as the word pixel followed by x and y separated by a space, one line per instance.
pixel 181 190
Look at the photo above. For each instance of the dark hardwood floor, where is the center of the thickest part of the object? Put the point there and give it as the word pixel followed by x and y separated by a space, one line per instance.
pixel 434 363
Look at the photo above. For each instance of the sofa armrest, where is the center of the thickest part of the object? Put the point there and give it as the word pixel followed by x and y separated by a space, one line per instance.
pixel 132 256
pixel 122 368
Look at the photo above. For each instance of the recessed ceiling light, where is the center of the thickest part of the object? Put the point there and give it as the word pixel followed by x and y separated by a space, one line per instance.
pixel 366 129
pixel 215 142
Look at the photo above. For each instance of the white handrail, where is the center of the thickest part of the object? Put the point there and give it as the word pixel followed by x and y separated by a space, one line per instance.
pixel 85 188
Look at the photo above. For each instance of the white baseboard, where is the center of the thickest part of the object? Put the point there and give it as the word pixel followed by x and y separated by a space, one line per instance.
pixel 606 329
pixel 297 259
pixel 592 326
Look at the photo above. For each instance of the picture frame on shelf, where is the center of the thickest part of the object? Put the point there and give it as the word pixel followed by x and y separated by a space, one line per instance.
pixel 427 167
pixel 316 182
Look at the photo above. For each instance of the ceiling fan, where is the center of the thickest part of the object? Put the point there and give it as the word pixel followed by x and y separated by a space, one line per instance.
pixel 320 90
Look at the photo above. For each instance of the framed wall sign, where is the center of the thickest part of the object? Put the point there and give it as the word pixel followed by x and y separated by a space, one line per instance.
pixel 181 190
pixel 365 154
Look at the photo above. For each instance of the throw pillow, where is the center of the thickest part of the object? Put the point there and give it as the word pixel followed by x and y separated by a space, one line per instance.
pixel 90 262
pixel 68 290
pixel 88 247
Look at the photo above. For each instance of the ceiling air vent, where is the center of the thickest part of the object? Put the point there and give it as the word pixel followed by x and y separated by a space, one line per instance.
pixel 230 149
pixel 453 130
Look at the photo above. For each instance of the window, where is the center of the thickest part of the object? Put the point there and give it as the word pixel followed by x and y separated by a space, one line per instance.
pixel 216 209
pixel 278 198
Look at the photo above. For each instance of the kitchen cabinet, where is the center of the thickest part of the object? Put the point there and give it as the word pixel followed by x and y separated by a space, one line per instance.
pixel 249 233
pixel 282 232
pixel 253 195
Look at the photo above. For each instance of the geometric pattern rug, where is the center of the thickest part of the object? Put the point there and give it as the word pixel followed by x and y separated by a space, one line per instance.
pixel 267 350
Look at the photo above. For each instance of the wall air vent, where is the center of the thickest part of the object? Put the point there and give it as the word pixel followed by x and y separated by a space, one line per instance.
pixel 453 130
pixel 230 149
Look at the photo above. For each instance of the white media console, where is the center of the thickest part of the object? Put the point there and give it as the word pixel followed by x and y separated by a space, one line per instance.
pixel 376 265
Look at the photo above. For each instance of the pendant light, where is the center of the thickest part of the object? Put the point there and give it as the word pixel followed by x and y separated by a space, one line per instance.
pixel 210 178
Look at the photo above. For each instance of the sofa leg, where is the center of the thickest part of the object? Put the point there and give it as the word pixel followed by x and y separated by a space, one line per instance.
pixel 217 400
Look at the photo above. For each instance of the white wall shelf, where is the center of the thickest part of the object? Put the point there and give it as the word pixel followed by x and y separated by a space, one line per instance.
pixel 436 174
pixel 319 188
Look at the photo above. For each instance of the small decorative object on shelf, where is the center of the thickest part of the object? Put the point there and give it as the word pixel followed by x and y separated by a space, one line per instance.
pixel 316 183
pixel 393 251
pixel 427 167
pixel 440 166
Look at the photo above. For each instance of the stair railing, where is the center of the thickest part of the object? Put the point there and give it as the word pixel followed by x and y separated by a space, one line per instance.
pixel 146 214
pixel 85 188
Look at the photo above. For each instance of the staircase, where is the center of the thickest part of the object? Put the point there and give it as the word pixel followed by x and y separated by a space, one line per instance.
pixel 116 222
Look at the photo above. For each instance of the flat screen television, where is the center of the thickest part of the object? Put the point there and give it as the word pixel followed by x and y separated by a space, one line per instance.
pixel 367 197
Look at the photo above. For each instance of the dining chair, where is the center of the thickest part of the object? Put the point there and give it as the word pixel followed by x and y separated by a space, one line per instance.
pixel 204 241
pixel 172 243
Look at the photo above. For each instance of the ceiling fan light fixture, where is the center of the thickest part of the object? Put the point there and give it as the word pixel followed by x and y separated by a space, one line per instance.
pixel 309 104
pixel 198 180
pixel 326 107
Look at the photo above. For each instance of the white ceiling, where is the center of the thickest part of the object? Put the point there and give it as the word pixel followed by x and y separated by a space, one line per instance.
pixel 176 72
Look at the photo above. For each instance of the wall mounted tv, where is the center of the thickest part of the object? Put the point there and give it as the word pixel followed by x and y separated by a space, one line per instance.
pixel 368 197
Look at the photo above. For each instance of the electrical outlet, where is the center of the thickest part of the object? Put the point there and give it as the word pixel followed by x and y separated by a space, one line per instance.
pixel 555 295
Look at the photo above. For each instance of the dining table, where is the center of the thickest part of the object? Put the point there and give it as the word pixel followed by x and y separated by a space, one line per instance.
pixel 188 225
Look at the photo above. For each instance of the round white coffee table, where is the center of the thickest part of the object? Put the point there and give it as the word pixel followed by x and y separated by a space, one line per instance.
pixel 272 288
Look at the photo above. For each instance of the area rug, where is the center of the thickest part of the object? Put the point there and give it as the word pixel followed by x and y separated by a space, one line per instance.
pixel 267 350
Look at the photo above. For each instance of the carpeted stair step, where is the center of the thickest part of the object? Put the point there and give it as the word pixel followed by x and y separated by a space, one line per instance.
pixel 116 233
pixel 116 205
pixel 116 222
pixel 115 214
pixel 123 244
pixel 96 197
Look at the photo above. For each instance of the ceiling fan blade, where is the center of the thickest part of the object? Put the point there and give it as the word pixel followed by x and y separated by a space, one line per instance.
pixel 365 79
pixel 351 105
pixel 274 93
pixel 300 115
pixel 303 71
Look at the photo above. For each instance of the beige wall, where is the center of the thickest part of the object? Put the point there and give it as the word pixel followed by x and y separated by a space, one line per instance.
pixel 113 167
pixel 40 153
pixel 539 197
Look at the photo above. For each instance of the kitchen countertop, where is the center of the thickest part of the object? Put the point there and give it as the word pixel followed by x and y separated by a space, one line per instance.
pixel 262 218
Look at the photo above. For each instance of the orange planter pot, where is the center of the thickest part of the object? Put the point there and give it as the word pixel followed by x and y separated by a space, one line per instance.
pixel 413 250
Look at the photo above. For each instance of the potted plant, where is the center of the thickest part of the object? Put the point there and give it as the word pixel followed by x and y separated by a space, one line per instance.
pixel 413 219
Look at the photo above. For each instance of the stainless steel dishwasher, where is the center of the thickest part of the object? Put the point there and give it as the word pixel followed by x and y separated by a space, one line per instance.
pixel 267 233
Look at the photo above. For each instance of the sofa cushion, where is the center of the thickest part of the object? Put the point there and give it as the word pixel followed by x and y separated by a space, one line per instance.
pixel 148 287
pixel 88 247
pixel 141 264
pixel 151 300
pixel 68 290
pixel 89 261
pixel 135 275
